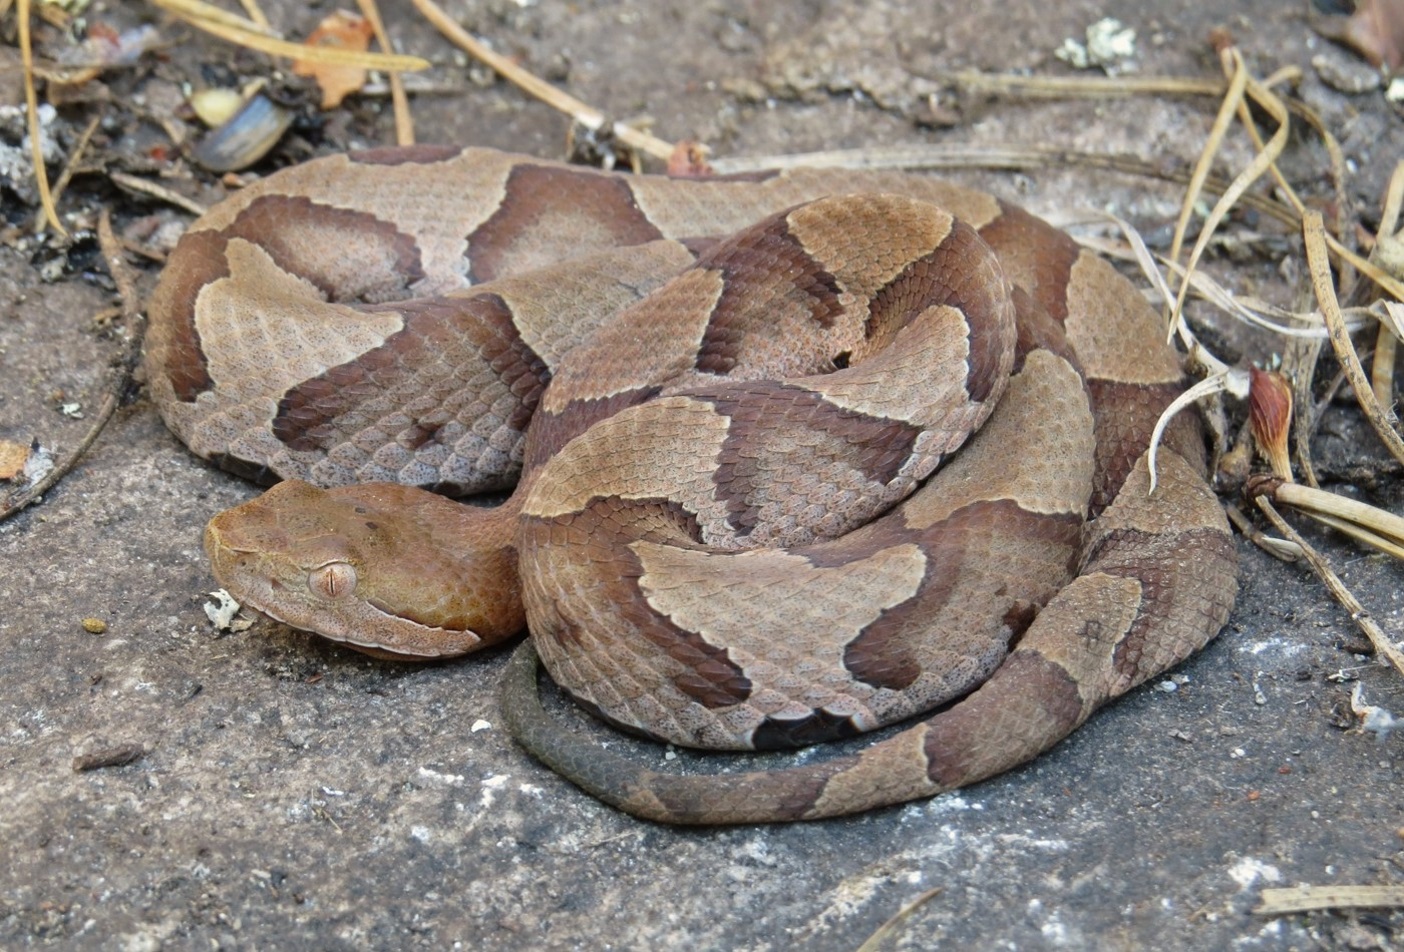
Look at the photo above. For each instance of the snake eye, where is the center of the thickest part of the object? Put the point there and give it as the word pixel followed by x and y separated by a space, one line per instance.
pixel 333 580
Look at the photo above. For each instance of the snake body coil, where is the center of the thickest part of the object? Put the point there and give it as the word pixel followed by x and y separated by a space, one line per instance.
pixel 797 456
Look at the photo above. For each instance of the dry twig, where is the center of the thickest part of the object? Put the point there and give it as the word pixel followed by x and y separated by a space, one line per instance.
pixel 587 116
pixel 31 100
pixel 148 187
pixel 1281 902
pixel 889 928
pixel 404 122
pixel 1383 646
pixel 1383 420
pixel 247 33
pixel 74 156
pixel 121 377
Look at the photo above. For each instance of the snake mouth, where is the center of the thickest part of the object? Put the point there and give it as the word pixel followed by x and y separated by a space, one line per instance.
pixel 439 643
pixel 361 623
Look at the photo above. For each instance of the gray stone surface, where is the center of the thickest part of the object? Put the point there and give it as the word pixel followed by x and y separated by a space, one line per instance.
pixel 290 794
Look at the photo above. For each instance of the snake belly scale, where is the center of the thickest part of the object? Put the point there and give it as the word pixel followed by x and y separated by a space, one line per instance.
pixel 796 456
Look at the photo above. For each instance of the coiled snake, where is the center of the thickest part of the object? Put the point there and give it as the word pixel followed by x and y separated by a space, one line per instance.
pixel 725 399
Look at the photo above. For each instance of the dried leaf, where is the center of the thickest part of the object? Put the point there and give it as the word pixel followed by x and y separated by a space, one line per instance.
pixel 689 160
pixel 341 30
pixel 13 456
pixel 1375 30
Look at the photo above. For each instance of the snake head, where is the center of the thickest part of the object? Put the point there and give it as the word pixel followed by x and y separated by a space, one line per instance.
pixel 386 569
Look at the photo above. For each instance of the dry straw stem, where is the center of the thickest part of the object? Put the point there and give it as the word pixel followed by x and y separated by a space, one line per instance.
pixel 890 928
pixel 399 101
pixel 147 187
pixel 1240 90
pixel 1278 902
pixel 1228 106
pixel 1314 234
pixel 1083 87
pixel 1240 85
pixel 121 376
pixel 1383 646
pixel 1273 546
pixel 74 156
pixel 31 100
pixel 1009 158
pixel 1382 367
pixel 1232 381
pixel 1368 524
pixel 1299 361
pixel 255 13
pixel 585 115
pixel 247 33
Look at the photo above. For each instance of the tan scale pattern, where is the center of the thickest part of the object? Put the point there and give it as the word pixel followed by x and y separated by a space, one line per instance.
pixel 739 600
pixel 590 466
pixel 630 355
pixel 867 262
pixel 1115 349
pixel 1047 397
pixel 926 358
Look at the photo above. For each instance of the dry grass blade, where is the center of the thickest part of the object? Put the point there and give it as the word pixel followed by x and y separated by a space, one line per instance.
pixel 1010 158
pixel 148 187
pixel 121 376
pixel 1336 155
pixel 404 121
pixel 1147 263
pixel 1386 281
pixel 1307 325
pixel 1394 201
pixel 36 144
pixel 1376 527
pixel 208 13
pixel 1238 82
pixel 1273 546
pixel 1299 359
pixel 1279 902
pixel 889 928
pixel 1386 242
pixel 1092 87
pixel 75 154
pixel 587 116
pixel 1247 309
pixel 1383 646
pixel 1314 231
pixel 1263 162
pixel 1231 381
pixel 1382 366
pixel 255 12
pixel 248 34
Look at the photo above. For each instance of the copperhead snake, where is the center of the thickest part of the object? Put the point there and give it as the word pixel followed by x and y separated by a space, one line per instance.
pixel 722 402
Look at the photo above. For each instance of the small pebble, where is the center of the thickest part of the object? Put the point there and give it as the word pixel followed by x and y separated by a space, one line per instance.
pixel 1346 75
pixel 94 626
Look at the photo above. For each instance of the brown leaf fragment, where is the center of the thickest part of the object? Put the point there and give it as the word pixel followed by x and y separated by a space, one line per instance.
pixel 116 755
pixel 13 456
pixel 345 31
pixel 1375 30
pixel 689 160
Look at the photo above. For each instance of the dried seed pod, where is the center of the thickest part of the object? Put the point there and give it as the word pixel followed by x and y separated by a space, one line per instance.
pixel 244 139
pixel 1270 416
